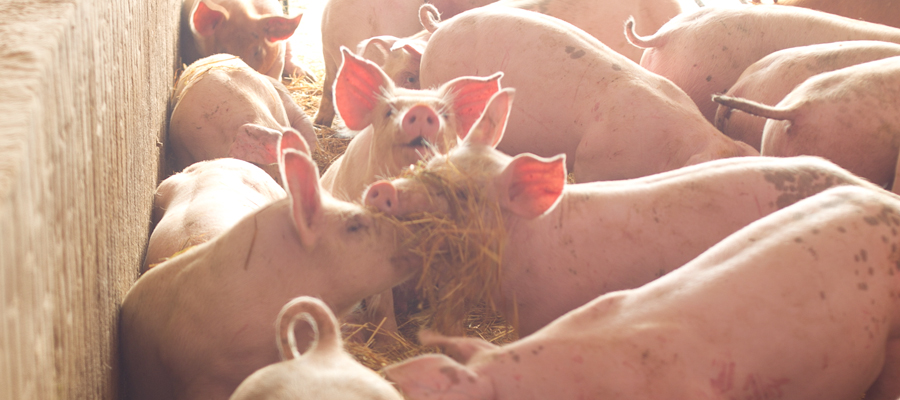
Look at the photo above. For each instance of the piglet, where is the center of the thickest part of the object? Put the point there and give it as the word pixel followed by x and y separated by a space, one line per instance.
pixel 565 244
pixel 768 80
pixel 346 23
pixel 206 199
pixel 196 326
pixel 325 371
pixel 254 30
pixel 801 304
pixel 398 126
pixel 849 116
pixel 223 108
pixel 612 118
pixel 705 51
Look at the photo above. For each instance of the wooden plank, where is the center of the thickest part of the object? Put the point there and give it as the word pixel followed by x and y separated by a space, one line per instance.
pixel 83 105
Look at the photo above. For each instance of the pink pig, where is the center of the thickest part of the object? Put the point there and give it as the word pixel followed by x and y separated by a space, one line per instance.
pixel 197 325
pixel 849 116
pixel 612 118
pixel 705 51
pixel 770 79
pixel 206 199
pixel 348 22
pixel 801 304
pixel 400 58
pixel 254 30
pixel 223 108
pixel 325 371
pixel 567 244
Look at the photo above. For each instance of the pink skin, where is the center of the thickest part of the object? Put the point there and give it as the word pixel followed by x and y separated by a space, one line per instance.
pixel 608 235
pixel 611 118
pixel 770 79
pixel 346 23
pixel 799 305
pixel 254 30
pixel 848 116
pixel 325 371
pixel 223 108
pixel 399 128
pixel 603 20
pixel 197 325
pixel 705 51
pixel 199 204
pixel 877 11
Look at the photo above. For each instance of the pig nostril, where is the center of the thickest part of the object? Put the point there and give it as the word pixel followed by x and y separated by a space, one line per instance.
pixel 430 121
pixel 412 119
pixel 388 203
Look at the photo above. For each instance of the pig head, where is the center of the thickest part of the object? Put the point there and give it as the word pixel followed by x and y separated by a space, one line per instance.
pixel 254 30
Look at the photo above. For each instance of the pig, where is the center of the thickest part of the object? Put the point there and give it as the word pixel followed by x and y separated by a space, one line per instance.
pixel 197 325
pixel 197 205
pixel 348 22
pixel 399 127
pixel 801 304
pixel 223 108
pixel 400 58
pixel 567 244
pixel 612 119
pixel 768 80
pixel 705 51
pixel 849 116
pixel 325 371
pixel 877 11
pixel 254 30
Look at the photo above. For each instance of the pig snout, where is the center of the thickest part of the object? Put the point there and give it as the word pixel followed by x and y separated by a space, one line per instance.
pixel 420 126
pixel 383 196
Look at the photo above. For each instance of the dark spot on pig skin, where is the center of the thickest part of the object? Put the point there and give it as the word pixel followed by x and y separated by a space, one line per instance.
pixel 577 54
pixel 644 355
pixel 841 229
pixel 708 78
pixel 863 286
pixel 569 49
pixel 871 271
pixel 616 67
pixel 451 374
pixel 573 272
pixel 871 220
pixel 822 295
pixel 515 357
pixel 863 255
pixel 815 231
pixel 884 239
pixel 798 240
pixel 814 254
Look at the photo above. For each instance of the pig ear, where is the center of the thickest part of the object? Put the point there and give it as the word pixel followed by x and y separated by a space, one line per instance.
pixel 470 95
pixel 301 179
pixel 292 140
pixel 256 144
pixel 357 89
pixel 376 48
pixel 531 185
pixel 206 17
pixel 278 28
pixel 489 128
pixel 436 376
pixel 415 48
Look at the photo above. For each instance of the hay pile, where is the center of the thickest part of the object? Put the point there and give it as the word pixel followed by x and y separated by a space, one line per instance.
pixel 464 307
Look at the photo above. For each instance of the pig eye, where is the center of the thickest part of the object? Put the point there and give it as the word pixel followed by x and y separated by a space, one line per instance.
pixel 357 224
pixel 389 113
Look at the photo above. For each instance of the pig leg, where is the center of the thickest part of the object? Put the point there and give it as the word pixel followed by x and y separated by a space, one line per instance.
pixel 325 115
pixel 296 116
pixel 292 68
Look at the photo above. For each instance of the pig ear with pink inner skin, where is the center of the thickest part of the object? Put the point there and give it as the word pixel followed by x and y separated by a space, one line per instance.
pixel 278 28
pixel 531 185
pixel 255 143
pixel 206 17
pixel 436 376
pixel 489 128
pixel 301 181
pixel 357 90
pixel 292 140
pixel 470 96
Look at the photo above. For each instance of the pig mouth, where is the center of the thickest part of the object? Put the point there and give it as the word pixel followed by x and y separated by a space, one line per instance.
pixel 419 142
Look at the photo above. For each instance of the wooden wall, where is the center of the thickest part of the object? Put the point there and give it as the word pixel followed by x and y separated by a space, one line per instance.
pixel 83 106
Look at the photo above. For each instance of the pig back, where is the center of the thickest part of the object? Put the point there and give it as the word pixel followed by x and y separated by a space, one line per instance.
pixel 567 82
